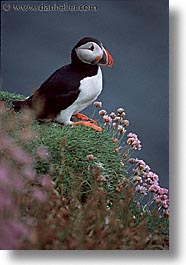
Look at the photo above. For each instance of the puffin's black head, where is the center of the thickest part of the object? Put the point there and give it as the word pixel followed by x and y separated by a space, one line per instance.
pixel 91 51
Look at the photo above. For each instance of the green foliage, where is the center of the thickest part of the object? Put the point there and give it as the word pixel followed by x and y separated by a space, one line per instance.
pixel 92 204
pixel 68 148
pixel 8 97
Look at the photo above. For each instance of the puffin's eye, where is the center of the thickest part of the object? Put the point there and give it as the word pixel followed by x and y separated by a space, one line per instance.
pixel 91 48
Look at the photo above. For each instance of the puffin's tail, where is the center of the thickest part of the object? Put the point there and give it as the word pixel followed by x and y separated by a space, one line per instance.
pixel 18 105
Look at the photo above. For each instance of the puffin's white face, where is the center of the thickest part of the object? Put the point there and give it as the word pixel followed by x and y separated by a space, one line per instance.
pixel 90 53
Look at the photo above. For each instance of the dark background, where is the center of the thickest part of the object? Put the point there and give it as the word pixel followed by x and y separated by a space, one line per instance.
pixel 35 44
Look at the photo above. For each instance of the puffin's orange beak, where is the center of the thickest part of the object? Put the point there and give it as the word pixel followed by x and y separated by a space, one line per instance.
pixel 106 59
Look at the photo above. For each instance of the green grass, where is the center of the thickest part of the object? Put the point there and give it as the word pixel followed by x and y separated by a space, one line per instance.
pixel 68 147
pixel 8 97
pixel 83 209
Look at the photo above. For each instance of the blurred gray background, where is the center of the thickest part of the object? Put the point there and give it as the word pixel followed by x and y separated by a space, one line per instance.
pixel 35 43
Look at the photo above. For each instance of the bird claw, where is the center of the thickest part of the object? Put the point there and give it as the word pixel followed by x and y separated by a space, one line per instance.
pixel 89 124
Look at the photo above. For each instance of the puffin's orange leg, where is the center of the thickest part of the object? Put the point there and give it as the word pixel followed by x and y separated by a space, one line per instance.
pixel 83 117
pixel 89 124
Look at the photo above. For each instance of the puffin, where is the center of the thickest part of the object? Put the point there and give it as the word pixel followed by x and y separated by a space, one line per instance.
pixel 71 88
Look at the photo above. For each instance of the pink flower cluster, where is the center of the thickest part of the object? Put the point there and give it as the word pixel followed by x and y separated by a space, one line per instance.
pixel 16 172
pixel 11 183
pixel 146 182
pixel 150 184
pixel 133 141
pixel 116 121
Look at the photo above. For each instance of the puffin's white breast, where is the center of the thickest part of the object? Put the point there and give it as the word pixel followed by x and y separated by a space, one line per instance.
pixel 90 88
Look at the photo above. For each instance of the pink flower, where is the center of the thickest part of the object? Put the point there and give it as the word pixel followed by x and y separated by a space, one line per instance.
pixel 162 201
pixel 132 135
pixel 132 160
pixel 98 104
pixel 4 175
pixel 141 189
pixel 5 142
pixel 157 199
pixel 107 119
pixel 39 195
pixel 29 172
pixel 149 181
pixel 141 164
pixel 155 178
pixel 163 191
pixel 125 123
pixel 112 115
pixel 165 204
pixel 117 119
pixel 120 111
pixel 147 168
pixel 138 179
pixel 154 188
pixel 20 156
pixel 102 112
pixel 151 178
pixel 121 129
pixel 5 200
pixel 133 141
pixel 46 181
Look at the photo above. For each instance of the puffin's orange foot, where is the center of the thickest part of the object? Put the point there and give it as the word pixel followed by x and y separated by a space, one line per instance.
pixel 83 117
pixel 89 124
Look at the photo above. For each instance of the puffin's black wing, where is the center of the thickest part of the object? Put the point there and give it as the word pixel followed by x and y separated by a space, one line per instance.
pixel 58 92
